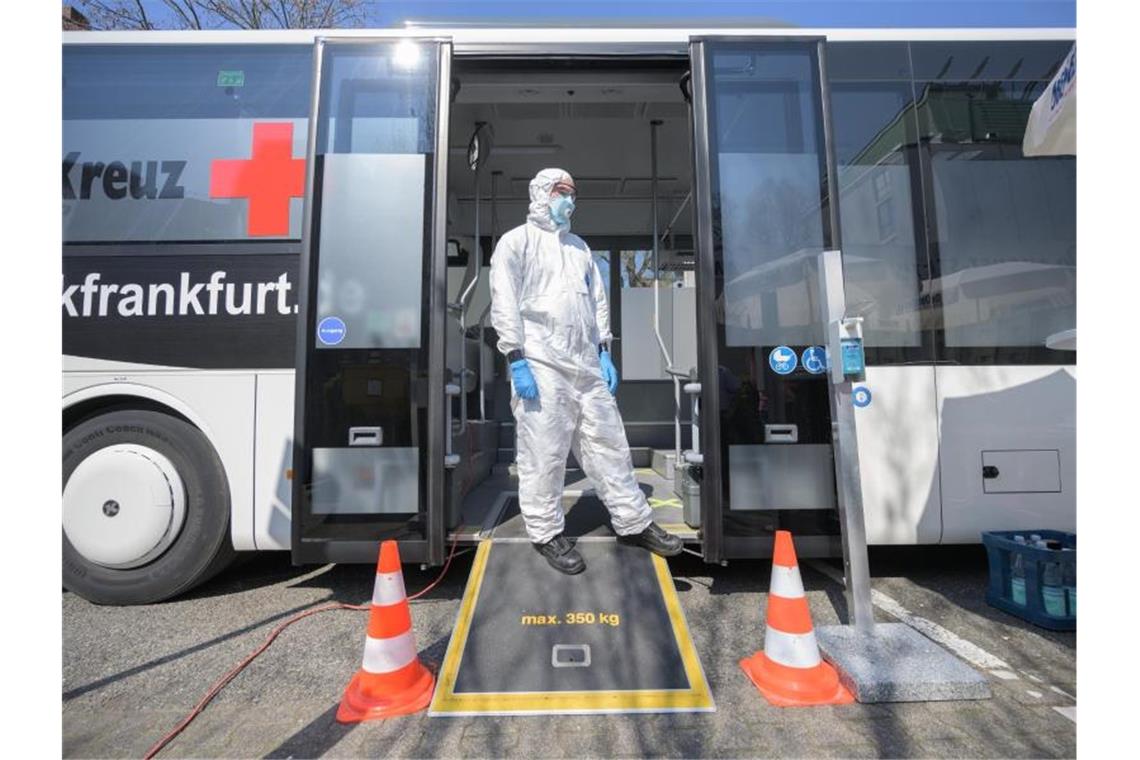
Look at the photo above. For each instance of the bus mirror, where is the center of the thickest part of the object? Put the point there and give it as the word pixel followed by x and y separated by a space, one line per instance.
pixel 479 148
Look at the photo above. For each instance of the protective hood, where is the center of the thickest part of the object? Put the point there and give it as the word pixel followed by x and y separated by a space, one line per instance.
pixel 540 188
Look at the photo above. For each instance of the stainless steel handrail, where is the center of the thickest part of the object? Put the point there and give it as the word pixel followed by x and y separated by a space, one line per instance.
pixel 450 460
pixel 653 125
pixel 693 455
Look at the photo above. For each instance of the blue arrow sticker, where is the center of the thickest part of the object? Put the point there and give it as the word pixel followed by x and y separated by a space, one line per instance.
pixel 331 331
pixel 815 359
pixel 782 360
pixel 861 396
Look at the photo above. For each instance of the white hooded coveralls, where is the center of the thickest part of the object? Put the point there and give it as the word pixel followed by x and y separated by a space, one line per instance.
pixel 548 299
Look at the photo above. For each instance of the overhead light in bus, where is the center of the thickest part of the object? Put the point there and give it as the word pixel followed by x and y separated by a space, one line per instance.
pixel 407 54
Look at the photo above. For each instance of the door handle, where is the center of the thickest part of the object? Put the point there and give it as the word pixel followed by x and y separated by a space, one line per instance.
pixel 989 472
pixel 781 433
pixel 365 436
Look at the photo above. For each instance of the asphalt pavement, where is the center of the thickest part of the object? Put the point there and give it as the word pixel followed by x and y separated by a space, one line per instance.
pixel 130 674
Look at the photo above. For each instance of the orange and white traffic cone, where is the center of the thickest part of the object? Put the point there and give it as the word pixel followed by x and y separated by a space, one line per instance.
pixel 789 671
pixel 392 681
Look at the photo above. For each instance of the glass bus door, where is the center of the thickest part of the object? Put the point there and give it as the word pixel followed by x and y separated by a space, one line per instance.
pixel 765 211
pixel 369 416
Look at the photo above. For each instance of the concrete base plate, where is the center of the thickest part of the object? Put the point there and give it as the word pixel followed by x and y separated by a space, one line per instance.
pixel 896 663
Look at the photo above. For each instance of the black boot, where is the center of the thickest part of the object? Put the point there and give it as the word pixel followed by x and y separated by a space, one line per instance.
pixel 655 539
pixel 562 555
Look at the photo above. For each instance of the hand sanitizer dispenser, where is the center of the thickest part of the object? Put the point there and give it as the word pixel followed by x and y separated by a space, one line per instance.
pixel 845 346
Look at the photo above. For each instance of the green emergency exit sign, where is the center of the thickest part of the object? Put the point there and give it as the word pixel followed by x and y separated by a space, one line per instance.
pixel 231 79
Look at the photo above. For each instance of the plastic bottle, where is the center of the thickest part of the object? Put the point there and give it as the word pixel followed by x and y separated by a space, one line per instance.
pixel 1017 575
pixel 1070 583
pixel 1052 591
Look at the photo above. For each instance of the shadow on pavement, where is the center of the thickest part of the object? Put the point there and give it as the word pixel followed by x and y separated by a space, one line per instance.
pixel 160 661
pixel 314 739
pixel 958 575
pixel 250 571
pixel 323 732
pixel 353 583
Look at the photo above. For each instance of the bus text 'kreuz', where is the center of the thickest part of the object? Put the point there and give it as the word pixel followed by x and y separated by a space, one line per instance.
pixel 141 179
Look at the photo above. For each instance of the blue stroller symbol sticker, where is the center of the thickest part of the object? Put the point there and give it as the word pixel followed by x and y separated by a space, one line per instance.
pixel 782 360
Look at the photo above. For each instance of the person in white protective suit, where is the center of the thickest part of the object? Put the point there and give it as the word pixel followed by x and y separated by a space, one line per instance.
pixel 548 306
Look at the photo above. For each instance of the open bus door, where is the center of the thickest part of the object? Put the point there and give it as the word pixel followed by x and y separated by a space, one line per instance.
pixel 369 427
pixel 766 208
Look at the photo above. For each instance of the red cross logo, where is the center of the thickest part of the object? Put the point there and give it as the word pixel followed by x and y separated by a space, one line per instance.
pixel 269 178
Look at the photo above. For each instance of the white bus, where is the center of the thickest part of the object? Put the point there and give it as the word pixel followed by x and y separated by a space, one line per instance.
pixel 274 284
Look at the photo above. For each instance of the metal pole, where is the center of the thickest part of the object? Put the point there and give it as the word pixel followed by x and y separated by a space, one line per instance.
pixel 463 319
pixel 483 316
pixel 669 227
pixel 437 333
pixel 463 298
pixel 494 208
pixel 849 486
pixel 833 306
pixel 653 125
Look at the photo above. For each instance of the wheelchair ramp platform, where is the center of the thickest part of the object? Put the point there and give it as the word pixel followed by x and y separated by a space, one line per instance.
pixel 529 640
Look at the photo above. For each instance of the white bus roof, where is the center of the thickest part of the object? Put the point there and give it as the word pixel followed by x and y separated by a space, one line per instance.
pixel 556 40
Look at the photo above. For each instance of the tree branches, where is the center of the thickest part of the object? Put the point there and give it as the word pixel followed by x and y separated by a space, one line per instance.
pixel 226 14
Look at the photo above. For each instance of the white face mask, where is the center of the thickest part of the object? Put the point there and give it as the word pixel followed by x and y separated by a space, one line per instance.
pixel 561 209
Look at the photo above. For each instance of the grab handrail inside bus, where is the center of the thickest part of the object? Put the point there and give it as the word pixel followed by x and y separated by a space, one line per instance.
pixel 653 125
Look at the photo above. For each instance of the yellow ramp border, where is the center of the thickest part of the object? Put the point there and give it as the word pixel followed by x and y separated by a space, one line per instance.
pixel 446 703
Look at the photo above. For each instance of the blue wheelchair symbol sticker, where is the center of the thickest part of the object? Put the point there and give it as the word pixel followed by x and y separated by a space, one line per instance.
pixel 782 360
pixel 815 359
pixel 331 331
pixel 861 397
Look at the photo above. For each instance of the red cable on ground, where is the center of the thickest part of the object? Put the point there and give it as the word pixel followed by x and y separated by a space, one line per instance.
pixel 443 572
pixel 233 673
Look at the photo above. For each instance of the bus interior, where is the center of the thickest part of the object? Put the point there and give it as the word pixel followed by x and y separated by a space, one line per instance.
pixel 622 128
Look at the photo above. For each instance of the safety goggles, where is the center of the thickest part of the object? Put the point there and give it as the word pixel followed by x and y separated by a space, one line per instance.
pixel 564 189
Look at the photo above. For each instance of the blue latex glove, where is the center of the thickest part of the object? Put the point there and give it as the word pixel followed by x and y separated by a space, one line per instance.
pixel 609 371
pixel 525 386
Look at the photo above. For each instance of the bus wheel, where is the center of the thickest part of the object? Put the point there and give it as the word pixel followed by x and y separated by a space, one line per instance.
pixel 145 508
